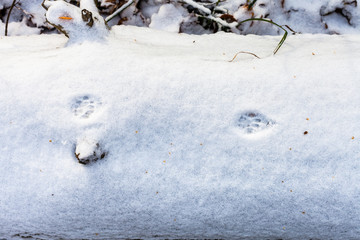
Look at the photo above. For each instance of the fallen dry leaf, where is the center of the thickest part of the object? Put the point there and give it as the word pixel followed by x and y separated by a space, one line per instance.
pixel 65 18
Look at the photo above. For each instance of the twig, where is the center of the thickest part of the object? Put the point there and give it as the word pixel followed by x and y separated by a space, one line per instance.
pixel 122 8
pixel 290 29
pixel 253 54
pixel 220 21
pixel 43 5
pixel 24 11
pixel 8 17
pixel 198 6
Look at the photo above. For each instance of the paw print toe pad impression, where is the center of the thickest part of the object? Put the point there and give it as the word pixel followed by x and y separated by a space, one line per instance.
pixel 251 122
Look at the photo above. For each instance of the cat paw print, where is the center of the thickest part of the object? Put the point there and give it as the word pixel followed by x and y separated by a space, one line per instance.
pixel 251 122
pixel 84 107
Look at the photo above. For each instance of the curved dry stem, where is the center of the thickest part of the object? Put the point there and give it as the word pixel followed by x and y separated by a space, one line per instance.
pixel 43 5
pixel 250 53
pixel 8 17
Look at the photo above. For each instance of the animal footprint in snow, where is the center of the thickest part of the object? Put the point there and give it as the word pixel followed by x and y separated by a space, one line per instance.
pixel 85 106
pixel 252 122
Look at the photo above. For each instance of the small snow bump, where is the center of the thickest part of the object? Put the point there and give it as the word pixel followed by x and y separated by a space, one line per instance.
pixel 88 150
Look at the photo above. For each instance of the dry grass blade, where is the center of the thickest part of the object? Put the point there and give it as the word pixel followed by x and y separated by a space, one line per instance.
pixel 253 54
pixel 290 29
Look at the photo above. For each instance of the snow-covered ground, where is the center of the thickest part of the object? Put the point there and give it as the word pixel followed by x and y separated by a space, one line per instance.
pixel 196 146
pixel 193 16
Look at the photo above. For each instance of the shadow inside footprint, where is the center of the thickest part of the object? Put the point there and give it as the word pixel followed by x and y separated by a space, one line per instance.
pixel 84 107
pixel 252 122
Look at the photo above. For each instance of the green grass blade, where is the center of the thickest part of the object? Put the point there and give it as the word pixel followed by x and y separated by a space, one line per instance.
pixel 269 21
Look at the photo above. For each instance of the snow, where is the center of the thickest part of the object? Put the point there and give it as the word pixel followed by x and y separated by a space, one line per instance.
pixel 34 8
pixel 27 17
pixel 180 163
pixel 168 19
pixel 5 3
pixel 326 16
pixel 18 29
pixel 78 23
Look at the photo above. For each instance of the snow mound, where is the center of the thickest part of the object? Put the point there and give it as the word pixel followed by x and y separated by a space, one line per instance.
pixel 88 150
pixel 77 23
pixel 168 19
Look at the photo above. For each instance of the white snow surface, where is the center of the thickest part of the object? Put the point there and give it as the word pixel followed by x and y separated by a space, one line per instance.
pixel 18 29
pixel 168 19
pixel 185 157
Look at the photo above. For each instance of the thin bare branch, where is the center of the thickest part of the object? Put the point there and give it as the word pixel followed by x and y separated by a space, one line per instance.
pixel 8 17
pixel 122 8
